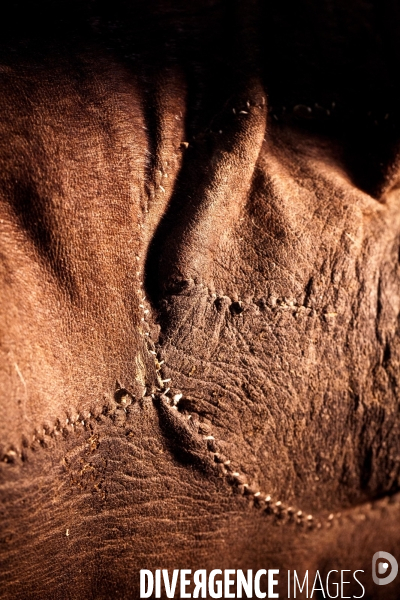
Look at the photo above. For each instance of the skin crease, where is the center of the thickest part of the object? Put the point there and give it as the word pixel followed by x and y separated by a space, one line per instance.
pixel 214 186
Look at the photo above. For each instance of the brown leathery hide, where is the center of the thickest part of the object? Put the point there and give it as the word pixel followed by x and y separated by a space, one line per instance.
pixel 200 291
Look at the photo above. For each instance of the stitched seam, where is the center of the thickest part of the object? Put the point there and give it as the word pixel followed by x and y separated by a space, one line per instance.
pixel 280 512
pixel 277 510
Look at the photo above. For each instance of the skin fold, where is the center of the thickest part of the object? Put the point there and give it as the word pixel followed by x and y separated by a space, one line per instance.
pixel 200 294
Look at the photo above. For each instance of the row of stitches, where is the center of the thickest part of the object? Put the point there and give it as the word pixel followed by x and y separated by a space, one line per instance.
pixel 276 509
pixel 79 420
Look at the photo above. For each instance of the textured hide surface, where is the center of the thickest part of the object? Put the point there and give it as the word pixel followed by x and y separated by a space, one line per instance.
pixel 201 199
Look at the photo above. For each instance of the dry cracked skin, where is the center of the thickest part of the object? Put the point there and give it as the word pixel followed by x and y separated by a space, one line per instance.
pixel 200 293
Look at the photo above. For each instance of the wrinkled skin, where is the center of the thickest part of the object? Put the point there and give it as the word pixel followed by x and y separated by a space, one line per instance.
pixel 165 151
